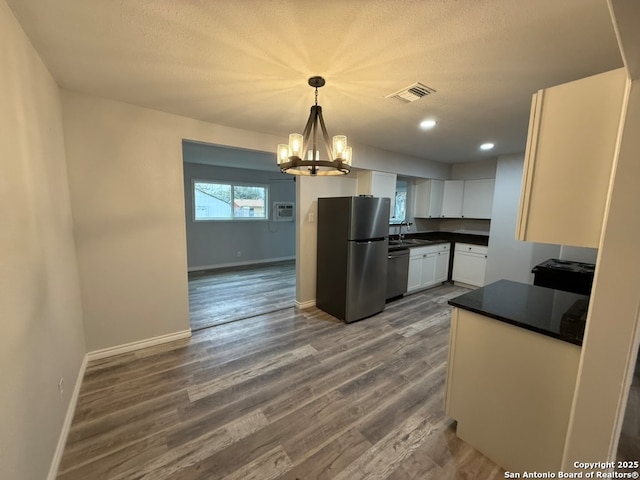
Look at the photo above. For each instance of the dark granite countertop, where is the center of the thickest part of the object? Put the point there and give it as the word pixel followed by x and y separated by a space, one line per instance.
pixel 550 312
pixel 396 244
pixel 453 237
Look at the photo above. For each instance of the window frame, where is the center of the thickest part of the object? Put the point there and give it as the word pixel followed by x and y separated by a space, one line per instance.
pixel 393 220
pixel 232 184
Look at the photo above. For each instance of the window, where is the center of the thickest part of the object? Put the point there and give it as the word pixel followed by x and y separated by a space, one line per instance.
pixel 227 201
pixel 400 213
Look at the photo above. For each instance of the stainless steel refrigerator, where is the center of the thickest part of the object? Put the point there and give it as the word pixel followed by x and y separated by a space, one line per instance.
pixel 351 278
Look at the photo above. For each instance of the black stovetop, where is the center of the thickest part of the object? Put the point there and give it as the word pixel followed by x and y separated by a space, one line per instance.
pixel 565 265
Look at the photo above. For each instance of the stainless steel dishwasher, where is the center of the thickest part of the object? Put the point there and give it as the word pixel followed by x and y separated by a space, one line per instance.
pixel 397 272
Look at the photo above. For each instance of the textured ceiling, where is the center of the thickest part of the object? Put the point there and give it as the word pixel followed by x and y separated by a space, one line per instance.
pixel 245 63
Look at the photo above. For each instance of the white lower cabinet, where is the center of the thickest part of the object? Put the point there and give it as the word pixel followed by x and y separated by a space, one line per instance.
pixel 442 266
pixel 428 266
pixel 469 264
pixel 510 390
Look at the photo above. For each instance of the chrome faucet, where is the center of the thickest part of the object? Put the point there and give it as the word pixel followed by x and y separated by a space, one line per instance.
pixel 400 225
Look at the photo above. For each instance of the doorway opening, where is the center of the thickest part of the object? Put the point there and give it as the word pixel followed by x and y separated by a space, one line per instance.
pixel 229 294
pixel 240 252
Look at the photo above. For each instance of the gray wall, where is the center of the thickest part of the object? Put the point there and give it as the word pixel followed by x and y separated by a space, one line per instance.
pixel 509 258
pixel 40 306
pixel 217 243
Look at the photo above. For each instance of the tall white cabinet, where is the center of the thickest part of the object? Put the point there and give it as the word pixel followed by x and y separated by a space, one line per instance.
pixel 378 184
pixel 571 146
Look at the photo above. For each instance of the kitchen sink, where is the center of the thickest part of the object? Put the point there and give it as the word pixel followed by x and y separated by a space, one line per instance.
pixel 409 242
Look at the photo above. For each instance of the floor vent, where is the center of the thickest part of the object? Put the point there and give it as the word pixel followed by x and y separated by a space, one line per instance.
pixel 412 93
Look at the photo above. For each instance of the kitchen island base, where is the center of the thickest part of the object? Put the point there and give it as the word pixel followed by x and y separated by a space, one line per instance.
pixel 510 390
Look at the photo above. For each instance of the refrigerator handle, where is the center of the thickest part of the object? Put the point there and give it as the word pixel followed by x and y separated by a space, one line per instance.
pixel 371 240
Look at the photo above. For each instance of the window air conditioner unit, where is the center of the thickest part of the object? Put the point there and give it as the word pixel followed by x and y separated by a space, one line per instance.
pixel 283 211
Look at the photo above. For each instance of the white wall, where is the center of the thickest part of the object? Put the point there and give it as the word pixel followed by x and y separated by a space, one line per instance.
pixel 578 254
pixel 509 258
pixel 215 244
pixel 474 170
pixel 371 158
pixel 308 190
pixel 42 337
pixel 127 195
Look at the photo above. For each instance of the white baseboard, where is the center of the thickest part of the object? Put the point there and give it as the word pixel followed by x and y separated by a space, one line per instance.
pixel 96 355
pixel 130 347
pixel 238 264
pixel 66 426
pixel 307 304
pixel 465 285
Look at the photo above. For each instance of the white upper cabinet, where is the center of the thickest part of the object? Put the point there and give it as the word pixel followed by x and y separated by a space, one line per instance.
pixel 452 198
pixel 428 198
pixel 571 148
pixel 378 184
pixel 477 200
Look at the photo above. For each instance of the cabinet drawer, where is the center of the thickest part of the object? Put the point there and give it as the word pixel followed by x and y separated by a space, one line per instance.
pixel 419 251
pixel 469 248
pixel 443 246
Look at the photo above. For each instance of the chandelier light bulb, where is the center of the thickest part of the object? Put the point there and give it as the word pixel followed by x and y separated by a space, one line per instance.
pixel 283 153
pixel 339 146
pixel 347 156
pixel 295 145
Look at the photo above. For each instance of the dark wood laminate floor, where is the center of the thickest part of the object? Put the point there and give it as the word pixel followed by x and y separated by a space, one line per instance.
pixel 287 395
pixel 226 295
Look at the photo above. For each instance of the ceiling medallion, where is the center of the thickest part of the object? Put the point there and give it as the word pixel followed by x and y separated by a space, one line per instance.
pixel 291 157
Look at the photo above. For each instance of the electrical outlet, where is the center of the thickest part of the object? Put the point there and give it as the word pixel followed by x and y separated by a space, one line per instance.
pixel 61 385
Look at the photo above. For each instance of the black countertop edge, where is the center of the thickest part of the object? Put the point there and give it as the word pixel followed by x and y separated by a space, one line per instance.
pixel 453 237
pixel 554 313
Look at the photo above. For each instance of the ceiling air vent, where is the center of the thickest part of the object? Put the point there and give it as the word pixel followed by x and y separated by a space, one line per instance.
pixel 412 93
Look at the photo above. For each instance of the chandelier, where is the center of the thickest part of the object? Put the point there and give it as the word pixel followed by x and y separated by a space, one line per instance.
pixel 302 157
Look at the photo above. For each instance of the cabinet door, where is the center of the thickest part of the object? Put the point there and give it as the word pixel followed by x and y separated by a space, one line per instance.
pixel 469 268
pixel 414 279
pixel 452 198
pixel 429 269
pixel 442 267
pixel 477 200
pixel 571 147
pixel 428 198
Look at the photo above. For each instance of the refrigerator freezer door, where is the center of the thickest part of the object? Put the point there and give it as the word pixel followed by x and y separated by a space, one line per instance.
pixel 366 279
pixel 369 218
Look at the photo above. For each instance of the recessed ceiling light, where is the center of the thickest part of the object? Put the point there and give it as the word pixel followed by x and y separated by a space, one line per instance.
pixel 487 146
pixel 427 124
